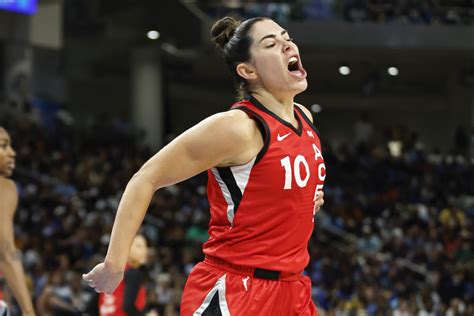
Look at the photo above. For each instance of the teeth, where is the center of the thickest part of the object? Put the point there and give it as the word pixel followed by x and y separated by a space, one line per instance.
pixel 292 60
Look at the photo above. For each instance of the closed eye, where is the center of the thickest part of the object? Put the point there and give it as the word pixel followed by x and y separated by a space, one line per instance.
pixel 271 45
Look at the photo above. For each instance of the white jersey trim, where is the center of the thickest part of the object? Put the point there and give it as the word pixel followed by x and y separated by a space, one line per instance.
pixel 227 196
pixel 242 174
pixel 219 287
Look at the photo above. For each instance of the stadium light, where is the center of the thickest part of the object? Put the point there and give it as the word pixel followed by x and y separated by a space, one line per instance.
pixel 153 35
pixel 344 70
pixel 316 108
pixel 392 71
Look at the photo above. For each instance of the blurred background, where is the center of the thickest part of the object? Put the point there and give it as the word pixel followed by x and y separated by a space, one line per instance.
pixel 90 89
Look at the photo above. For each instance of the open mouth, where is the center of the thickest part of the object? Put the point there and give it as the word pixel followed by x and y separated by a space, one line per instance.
pixel 295 67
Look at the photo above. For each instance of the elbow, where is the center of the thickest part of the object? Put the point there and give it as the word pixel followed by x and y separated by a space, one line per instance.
pixel 144 180
pixel 8 253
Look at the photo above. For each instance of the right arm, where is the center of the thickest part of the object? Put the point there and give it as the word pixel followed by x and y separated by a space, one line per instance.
pixel 10 261
pixel 225 138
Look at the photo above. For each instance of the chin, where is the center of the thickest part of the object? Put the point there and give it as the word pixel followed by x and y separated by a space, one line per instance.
pixel 6 173
pixel 301 86
pixel 304 87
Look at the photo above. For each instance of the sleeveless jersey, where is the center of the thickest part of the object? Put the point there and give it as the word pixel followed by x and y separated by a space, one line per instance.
pixel 112 304
pixel 262 212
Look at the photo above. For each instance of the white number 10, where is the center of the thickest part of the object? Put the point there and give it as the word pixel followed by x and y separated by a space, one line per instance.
pixel 299 160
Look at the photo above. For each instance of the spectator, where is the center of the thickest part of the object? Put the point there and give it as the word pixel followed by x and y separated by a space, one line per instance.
pixel 129 299
pixel 363 130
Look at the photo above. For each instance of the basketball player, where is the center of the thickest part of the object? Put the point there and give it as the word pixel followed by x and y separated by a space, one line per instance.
pixel 10 261
pixel 129 298
pixel 266 174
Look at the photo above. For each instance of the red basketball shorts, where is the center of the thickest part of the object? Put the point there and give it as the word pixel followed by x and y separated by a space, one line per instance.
pixel 215 289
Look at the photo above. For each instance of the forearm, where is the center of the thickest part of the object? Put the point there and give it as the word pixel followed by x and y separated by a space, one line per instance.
pixel 130 214
pixel 10 265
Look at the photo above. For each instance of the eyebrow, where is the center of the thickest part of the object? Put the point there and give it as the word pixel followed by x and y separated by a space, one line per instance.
pixel 272 35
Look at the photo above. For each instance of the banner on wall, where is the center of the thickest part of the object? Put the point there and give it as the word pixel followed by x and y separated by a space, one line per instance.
pixel 19 6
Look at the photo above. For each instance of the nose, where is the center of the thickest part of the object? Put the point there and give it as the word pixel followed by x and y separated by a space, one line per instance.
pixel 12 152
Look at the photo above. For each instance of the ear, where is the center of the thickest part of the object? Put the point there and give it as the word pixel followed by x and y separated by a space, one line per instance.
pixel 246 71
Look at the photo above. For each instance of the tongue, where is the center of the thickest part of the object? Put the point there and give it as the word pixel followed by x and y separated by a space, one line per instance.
pixel 297 73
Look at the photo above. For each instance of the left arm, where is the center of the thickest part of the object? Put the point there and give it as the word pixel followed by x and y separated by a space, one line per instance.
pixel 10 260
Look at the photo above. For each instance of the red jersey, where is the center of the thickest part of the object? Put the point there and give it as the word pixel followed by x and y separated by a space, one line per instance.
pixel 112 305
pixel 262 212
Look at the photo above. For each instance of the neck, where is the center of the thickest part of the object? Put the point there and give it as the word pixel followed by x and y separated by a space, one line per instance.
pixel 281 106
pixel 133 263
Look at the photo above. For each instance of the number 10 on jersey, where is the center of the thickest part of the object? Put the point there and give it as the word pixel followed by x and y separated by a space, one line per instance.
pixel 295 168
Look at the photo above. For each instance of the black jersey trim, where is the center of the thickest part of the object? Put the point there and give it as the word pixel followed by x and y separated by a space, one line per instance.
pixel 262 126
pixel 259 105
pixel 213 309
pixel 306 118
pixel 228 177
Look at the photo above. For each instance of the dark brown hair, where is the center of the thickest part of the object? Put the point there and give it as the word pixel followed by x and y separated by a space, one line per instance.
pixel 233 38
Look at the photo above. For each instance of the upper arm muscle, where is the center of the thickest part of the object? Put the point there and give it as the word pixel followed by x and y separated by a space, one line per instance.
pixel 216 139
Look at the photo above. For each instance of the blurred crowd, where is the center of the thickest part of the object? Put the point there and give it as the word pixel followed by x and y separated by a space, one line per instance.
pixel 456 12
pixel 395 236
pixel 407 213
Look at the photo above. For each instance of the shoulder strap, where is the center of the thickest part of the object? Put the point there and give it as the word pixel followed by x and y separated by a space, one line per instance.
pixel 262 126
pixel 306 118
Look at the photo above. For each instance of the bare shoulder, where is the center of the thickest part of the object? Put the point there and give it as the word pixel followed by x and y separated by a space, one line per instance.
pixel 238 119
pixel 235 125
pixel 305 111
pixel 8 196
pixel 235 136
pixel 7 188
pixel 229 137
pixel 242 123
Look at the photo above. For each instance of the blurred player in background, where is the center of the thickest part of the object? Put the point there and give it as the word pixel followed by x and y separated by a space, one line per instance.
pixel 129 298
pixel 266 174
pixel 10 260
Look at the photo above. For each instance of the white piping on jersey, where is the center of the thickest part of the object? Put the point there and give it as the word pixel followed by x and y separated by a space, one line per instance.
pixel 241 175
pixel 219 287
pixel 245 281
pixel 227 196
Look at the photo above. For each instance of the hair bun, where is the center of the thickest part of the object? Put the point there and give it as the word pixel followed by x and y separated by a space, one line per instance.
pixel 223 30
